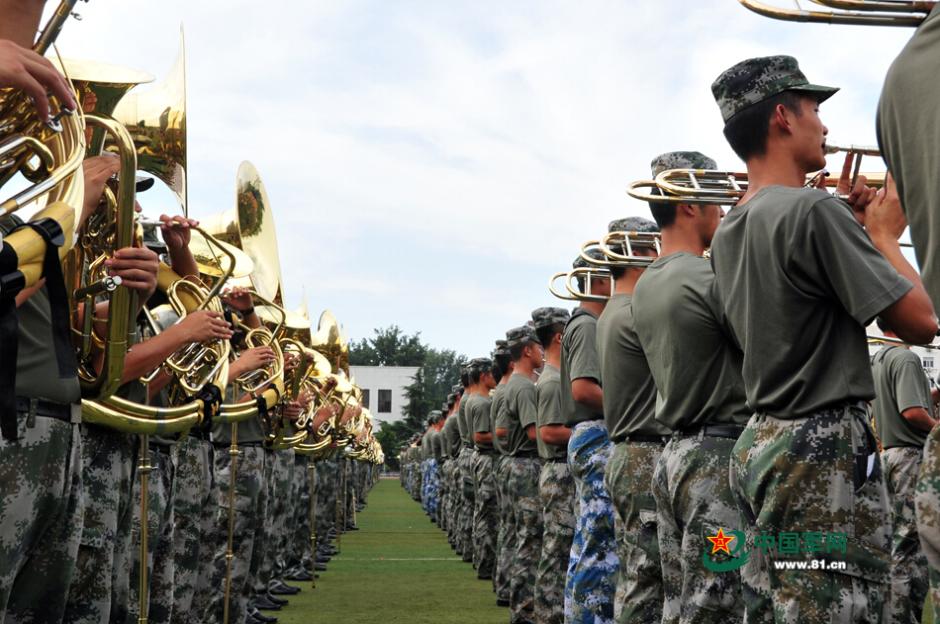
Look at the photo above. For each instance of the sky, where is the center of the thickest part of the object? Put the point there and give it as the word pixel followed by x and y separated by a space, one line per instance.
pixel 432 163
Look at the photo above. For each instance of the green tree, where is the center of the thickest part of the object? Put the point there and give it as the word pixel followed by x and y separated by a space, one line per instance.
pixel 388 347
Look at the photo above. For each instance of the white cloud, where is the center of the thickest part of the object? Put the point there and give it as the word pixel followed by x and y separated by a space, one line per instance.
pixel 479 143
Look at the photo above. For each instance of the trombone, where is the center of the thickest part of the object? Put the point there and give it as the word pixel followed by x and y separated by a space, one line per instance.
pixel 850 12
pixel 571 292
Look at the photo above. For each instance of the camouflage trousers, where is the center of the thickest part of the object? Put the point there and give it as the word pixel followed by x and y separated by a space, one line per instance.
pixel 593 565
pixel 326 513
pixel 40 518
pixel 693 501
pixel 352 468
pixel 100 589
pixel 628 477
pixel 261 570
pixel 300 547
pixel 249 505
pixel 927 512
pixel 443 520
pixel 556 493
pixel 815 475
pixel 433 489
pixel 485 515
pixel 523 488
pixel 276 525
pixel 465 513
pixel 195 512
pixel 506 537
pixel 455 496
pixel 909 577
pixel 159 540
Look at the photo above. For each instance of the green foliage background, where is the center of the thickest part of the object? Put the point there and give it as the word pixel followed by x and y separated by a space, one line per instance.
pixel 439 370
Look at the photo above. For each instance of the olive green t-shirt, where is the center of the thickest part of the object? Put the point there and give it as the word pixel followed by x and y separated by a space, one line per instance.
pixel 908 127
pixel 497 417
pixel 693 361
pixel 248 431
pixel 900 384
pixel 437 447
pixel 521 410
pixel 463 421
pixel 548 391
pixel 799 280
pixel 629 391
pixel 579 360
pixel 451 436
pixel 37 370
pixel 479 412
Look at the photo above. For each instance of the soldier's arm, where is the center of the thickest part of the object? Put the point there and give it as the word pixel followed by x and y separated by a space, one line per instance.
pixel 919 418
pixel 556 435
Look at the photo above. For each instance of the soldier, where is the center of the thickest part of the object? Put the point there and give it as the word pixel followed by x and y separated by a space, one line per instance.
pixel 520 407
pixel 506 536
pixel 697 372
pixel 556 487
pixel 593 566
pixel 465 463
pixel 902 416
pixel 796 260
pixel 434 477
pixel 452 445
pixel 629 402
pixel 485 513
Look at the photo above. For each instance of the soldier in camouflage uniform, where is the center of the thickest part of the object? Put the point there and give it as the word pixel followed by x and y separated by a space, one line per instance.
pixel 451 439
pixel 485 513
pixel 434 477
pixel 697 371
pixel 902 419
pixel 465 466
pixel 556 487
pixel 505 537
pixel 594 565
pixel 807 461
pixel 520 405
pixel 299 551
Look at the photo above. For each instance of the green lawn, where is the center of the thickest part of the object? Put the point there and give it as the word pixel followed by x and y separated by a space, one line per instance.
pixel 397 569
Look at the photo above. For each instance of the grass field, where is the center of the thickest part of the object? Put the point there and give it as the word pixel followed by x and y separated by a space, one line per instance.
pixel 398 569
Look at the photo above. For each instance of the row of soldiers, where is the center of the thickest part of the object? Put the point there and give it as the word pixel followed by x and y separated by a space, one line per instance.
pixel 221 542
pixel 694 442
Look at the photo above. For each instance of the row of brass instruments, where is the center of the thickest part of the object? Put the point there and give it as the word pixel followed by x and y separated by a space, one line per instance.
pixel 234 249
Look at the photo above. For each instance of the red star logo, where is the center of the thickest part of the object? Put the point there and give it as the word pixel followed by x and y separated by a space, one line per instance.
pixel 720 542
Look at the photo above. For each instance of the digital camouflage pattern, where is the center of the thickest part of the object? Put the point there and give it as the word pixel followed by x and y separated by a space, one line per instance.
pixel 466 505
pixel 557 495
pixel 640 585
pixel 548 316
pixel 40 519
pixel 100 587
pixel 811 475
pixel 523 488
pixel 756 79
pixel 506 538
pixel 593 566
pixel 280 506
pixel 909 578
pixel 693 500
pixel 300 549
pixel 159 541
pixel 249 505
pixel 632 224
pixel 195 512
pixel 927 512
pixel 681 160
pixel 485 515
pixel 433 489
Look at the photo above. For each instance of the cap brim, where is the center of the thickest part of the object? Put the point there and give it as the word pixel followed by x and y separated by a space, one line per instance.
pixel 820 92
pixel 142 183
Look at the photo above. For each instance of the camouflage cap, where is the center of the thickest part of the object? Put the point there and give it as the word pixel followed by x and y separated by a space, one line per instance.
pixel 594 253
pixel 632 224
pixel 481 364
pixel 435 416
pixel 681 160
pixel 521 335
pixel 502 348
pixel 754 80
pixel 548 316
pixel 457 389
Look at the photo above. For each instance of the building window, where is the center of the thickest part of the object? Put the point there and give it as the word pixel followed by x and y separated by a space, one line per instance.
pixel 365 398
pixel 928 363
pixel 385 401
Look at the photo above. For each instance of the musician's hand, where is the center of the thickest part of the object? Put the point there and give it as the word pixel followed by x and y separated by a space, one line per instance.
pixel 21 68
pixel 137 268
pixel 323 414
pixel 239 299
pixel 858 195
pixel 884 217
pixel 293 410
pixel 176 231
pixel 255 358
pixel 205 325
pixel 290 361
pixel 97 170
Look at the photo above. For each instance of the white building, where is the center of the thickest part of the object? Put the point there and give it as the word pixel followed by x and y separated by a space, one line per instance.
pixel 928 357
pixel 383 389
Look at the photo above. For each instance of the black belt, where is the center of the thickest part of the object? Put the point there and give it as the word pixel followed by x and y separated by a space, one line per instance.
pixel 469 446
pixel 642 437
pixel 533 454
pixel 732 432
pixel 48 409
pixel 252 444
pixel 557 460
pixel 488 451
pixel 199 433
